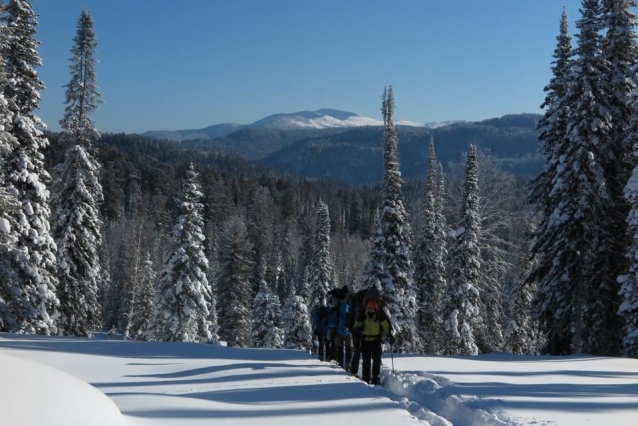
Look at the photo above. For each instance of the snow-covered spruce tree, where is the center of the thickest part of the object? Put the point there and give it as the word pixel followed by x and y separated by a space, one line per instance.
pixel 620 51
pixel 429 269
pixel 585 250
pixel 462 296
pixel 628 309
pixel 397 287
pixel 552 302
pixel 321 273
pixel 144 305
pixel 77 227
pixel 26 177
pixel 265 332
pixel 296 322
pixel 275 336
pixel 233 283
pixel 373 271
pixel 183 289
pixel 13 303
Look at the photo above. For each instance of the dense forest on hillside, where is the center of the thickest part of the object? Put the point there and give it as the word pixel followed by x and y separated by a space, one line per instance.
pixel 354 155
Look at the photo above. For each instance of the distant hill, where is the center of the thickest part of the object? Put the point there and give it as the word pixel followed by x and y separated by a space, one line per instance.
pixel 210 132
pixel 320 119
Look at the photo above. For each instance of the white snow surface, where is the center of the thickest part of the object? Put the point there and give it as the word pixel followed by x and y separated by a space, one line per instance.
pixel 320 119
pixel 75 381
pixel 36 394
pixel 5 226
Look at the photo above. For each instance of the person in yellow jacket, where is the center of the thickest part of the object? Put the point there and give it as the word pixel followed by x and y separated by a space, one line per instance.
pixel 372 325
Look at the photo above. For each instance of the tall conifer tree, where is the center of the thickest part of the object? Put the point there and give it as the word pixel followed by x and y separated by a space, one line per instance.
pixel 13 302
pixel 26 177
pixel 398 269
pixel 429 255
pixel 552 302
pixel 462 296
pixel 628 309
pixel 77 226
pixel 321 273
pixel 621 52
pixel 183 291
pixel 586 210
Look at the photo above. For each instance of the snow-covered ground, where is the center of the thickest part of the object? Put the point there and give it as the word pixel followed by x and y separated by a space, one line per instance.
pixel 72 382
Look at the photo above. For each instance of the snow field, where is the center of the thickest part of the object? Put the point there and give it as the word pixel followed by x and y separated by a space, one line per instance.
pixel 75 382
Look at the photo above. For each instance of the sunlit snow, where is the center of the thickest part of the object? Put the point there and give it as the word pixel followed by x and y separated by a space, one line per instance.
pixel 73 381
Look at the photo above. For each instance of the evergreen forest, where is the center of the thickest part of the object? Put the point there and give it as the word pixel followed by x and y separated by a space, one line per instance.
pixel 517 234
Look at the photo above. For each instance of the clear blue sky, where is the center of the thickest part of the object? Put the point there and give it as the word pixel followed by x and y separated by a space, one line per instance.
pixel 192 63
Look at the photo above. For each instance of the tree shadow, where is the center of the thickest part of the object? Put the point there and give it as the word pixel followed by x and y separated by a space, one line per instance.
pixel 299 371
pixel 577 373
pixel 507 357
pixel 545 390
pixel 234 366
pixel 273 394
pixel 214 413
pixel 149 350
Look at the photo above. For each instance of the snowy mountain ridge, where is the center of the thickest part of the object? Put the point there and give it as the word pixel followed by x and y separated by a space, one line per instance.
pixel 324 118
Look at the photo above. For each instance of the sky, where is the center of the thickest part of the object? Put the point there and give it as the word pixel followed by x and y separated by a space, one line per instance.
pixel 97 382
pixel 168 65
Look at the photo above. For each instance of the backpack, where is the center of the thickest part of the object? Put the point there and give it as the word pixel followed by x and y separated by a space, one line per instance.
pixel 356 307
pixel 343 317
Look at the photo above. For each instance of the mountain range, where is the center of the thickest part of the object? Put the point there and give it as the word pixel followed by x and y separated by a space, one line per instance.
pixel 355 154
pixel 320 119
pixel 329 143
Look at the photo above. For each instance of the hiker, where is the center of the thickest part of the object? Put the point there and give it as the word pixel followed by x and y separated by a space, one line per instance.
pixel 355 311
pixel 373 325
pixel 342 342
pixel 320 316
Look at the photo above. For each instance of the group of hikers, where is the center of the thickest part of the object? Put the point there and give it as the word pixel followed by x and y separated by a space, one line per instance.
pixel 351 327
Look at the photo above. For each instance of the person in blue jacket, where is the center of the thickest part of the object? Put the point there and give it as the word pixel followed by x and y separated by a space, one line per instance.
pixel 320 317
pixel 341 342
